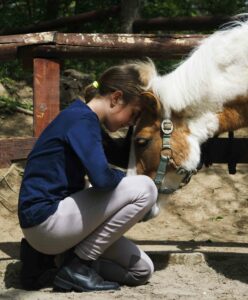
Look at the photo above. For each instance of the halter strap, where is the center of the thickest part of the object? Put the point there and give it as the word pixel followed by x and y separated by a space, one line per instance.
pixel 167 128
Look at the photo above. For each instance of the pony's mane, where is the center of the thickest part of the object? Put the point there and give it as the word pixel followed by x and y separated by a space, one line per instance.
pixel 215 72
pixel 237 20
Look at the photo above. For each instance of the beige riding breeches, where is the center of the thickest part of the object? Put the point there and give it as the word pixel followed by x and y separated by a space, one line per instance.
pixel 93 223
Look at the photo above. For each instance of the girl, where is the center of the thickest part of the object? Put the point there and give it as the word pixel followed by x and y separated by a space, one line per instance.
pixel 56 210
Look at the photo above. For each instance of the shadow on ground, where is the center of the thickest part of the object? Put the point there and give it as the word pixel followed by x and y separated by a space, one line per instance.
pixel 232 265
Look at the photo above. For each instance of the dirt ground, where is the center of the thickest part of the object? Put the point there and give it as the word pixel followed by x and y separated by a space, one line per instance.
pixel 199 242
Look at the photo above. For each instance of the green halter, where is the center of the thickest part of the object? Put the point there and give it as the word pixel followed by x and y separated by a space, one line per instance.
pixel 167 128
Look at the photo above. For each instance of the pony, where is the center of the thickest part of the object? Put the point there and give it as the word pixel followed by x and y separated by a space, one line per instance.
pixel 205 95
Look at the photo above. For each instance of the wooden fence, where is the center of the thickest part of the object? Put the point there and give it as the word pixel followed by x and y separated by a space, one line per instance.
pixel 46 50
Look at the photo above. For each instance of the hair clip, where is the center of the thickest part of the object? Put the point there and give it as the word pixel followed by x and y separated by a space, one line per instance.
pixel 95 84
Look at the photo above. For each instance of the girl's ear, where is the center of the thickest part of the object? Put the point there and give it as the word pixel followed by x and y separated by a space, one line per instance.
pixel 116 98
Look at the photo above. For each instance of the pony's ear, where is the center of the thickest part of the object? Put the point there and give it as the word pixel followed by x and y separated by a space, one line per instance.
pixel 150 103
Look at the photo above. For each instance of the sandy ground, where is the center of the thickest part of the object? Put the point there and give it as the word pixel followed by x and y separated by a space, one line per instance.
pixel 199 242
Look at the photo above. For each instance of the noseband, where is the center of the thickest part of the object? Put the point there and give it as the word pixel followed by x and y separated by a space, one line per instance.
pixel 165 160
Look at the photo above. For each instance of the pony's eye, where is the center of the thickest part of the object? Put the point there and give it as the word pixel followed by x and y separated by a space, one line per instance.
pixel 142 142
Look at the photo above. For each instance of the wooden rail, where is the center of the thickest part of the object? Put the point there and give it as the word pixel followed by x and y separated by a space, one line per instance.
pixel 116 45
pixel 9 44
pixel 12 149
pixel 70 45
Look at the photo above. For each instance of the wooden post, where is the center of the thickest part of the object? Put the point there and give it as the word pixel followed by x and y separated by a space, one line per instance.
pixel 12 149
pixel 46 92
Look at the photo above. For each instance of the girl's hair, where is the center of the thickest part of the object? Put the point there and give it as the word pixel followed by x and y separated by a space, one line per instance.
pixel 130 78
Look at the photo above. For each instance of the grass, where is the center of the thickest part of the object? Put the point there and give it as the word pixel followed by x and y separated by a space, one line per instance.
pixel 8 105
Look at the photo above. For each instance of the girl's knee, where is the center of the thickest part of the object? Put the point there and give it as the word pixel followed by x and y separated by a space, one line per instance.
pixel 144 186
pixel 149 185
pixel 148 188
pixel 140 273
pixel 137 273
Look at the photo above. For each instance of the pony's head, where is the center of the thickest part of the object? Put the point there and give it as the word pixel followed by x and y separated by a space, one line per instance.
pixel 161 146
pixel 202 97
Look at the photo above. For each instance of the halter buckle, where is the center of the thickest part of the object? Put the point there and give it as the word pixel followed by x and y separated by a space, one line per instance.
pixel 167 126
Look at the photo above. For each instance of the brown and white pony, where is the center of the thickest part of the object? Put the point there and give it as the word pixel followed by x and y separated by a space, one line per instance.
pixel 205 95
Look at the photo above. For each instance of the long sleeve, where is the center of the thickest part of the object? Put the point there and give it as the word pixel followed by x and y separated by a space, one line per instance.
pixel 84 137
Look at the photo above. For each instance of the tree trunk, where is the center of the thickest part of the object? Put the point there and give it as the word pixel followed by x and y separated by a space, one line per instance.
pixel 129 13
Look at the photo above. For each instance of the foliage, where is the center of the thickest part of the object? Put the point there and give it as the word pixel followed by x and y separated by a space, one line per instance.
pixel 25 12
pixel 171 8
pixel 92 67
pixel 14 14
pixel 13 69
pixel 220 7
pixel 9 105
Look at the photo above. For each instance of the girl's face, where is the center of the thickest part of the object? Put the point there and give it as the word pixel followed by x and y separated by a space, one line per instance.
pixel 121 115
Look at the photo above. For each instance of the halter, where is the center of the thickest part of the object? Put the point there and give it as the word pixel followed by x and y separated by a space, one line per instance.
pixel 165 160
pixel 167 129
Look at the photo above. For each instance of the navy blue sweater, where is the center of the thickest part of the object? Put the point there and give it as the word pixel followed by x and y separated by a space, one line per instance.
pixel 68 149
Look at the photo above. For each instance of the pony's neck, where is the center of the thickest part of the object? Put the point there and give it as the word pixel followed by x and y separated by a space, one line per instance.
pixel 214 74
pixel 186 86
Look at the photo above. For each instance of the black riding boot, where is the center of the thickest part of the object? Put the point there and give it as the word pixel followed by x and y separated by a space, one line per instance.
pixel 77 275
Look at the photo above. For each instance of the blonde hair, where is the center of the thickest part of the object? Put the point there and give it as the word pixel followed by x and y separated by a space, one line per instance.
pixel 131 78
